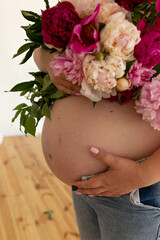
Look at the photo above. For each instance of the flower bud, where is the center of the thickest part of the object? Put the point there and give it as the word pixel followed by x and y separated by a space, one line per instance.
pixel 99 56
pixel 123 84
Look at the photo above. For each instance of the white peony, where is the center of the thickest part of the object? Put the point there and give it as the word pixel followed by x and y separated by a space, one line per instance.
pixel 118 64
pixel 99 74
pixel 100 77
pixel 108 9
pixel 85 8
pixel 95 95
pixel 120 36
pixel 89 92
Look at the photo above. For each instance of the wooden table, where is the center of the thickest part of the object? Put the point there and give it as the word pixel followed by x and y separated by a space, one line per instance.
pixel 27 189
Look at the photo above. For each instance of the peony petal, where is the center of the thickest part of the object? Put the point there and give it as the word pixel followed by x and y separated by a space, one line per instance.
pixel 141 25
pixel 89 92
pixel 90 18
pixel 65 4
pixel 95 35
pixel 158 6
pixel 77 30
pixel 76 43
pixel 76 46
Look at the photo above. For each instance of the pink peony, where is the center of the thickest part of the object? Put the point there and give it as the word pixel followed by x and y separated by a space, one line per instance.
pixel 85 35
pixel 139 74
pixel 58 23
pixel 69 64
pixel 147 51
pixel 149 102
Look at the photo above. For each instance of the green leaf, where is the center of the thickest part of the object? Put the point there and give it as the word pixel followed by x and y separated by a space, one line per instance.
pixel 101 25
pixel 45 110
pixel 22 86
pixel 52 50
pixel 29 53
pixel 24 92
pixel 26 27
pixel 94 104
pixel 35 37
pixel 157 69
pixel 46 82
pixel 23 118
pixel 30 126
pixel 119 95
pixel 39 80
pixel 36 27
pixel 20 106
pixel 38 74
pixel 51 89
pixel 39 114
pixel 23 48
pixel 49 213
pixel 16 115
pixel 57 94
pixel 129 64
pixel 47 3
pixel 33 109
pixel 137 93
pixel 31 16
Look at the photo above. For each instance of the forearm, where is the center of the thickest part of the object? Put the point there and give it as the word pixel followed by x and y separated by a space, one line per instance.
pixel 151 168
pixel 42 59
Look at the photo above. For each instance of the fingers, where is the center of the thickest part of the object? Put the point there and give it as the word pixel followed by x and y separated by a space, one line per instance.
pixel 101 192
pixel 65 85
pixel 90 183
pixel 107 158
pixel 90 191
pixel 71 86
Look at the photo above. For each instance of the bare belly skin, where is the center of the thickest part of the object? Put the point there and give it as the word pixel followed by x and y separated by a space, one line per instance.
pixel 75 126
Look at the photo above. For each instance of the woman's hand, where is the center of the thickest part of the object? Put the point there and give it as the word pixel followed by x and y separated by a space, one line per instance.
pixel 43 58
pixel 123 176
pixel 62 84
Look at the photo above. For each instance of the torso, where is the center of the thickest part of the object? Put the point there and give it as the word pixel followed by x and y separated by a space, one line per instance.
pixel 75 126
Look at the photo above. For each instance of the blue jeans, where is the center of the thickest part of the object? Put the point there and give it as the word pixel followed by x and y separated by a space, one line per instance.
pixel 134 216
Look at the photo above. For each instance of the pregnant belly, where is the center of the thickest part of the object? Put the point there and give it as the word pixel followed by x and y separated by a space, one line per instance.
pixel 75 126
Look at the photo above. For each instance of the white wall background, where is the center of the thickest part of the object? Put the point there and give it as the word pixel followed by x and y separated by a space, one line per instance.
pixel 11 73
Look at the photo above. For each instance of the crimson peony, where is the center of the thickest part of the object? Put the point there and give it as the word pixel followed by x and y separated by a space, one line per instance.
pixel 147 51
pixel 58 23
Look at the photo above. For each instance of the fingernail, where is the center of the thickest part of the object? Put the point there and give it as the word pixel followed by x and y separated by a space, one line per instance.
pixel 91 195
pixel 74 188
pixel 94 150
pixel 78 193
pixel 78 94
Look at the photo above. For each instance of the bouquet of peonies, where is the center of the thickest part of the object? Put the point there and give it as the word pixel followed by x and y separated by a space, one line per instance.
pixel 111 49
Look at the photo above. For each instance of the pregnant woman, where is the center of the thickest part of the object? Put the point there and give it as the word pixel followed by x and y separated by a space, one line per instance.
pixel 118 196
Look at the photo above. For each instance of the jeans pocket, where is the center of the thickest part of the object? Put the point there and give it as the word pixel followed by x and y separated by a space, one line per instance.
pixel 147 197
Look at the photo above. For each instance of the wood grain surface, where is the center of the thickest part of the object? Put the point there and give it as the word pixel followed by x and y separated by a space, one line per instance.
pixel 27 189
